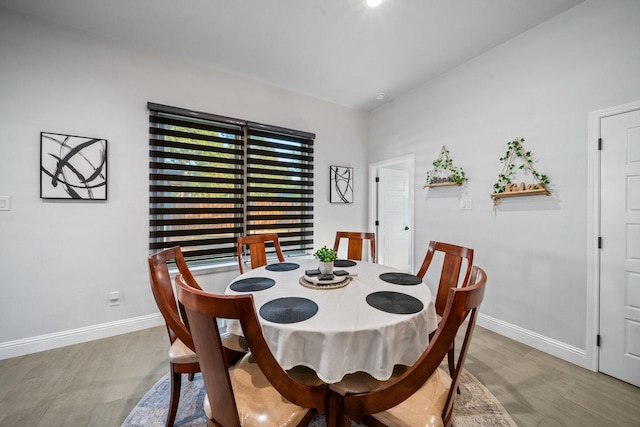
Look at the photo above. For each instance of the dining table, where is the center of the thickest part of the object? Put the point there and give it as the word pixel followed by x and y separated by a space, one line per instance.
pixel 366 317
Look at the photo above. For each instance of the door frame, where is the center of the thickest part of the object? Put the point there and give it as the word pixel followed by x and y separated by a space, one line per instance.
pixel 405 163
pixel 593 228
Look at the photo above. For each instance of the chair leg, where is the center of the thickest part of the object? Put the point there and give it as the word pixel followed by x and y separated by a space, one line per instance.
pixel 331 413
pixel 451 359
pixel 191 376
pixel 176 383
pixel 232 356
pixel 335 415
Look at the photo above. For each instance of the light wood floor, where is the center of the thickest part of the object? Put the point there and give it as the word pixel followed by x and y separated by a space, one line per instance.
pixel 98 383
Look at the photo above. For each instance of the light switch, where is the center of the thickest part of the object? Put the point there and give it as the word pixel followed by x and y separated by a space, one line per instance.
pixel 466 204
pixel 5 203
pixel 114 298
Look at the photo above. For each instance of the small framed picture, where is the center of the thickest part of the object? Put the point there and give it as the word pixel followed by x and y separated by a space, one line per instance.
pixel 340 184
pixel 72 167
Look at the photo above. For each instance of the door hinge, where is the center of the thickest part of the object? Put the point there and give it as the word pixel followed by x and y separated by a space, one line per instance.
pixel 599 242
pixel 377 223
pixel 377 179
pixel 598 340
pixel 599 143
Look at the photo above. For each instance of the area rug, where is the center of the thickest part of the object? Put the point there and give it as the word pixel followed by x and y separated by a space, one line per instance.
pixel 474 406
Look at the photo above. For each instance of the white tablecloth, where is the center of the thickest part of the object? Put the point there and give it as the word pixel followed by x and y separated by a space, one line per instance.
pixel 346 335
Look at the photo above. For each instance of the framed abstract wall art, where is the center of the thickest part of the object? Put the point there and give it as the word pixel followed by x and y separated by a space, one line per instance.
pixel 340 184
pixel 72 167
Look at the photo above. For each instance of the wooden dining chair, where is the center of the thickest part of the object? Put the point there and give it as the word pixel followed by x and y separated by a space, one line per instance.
pixel 355 243
pixel 256 244
pixel 182 355
pixel 453 256
pixel 256 390
pixel 423 394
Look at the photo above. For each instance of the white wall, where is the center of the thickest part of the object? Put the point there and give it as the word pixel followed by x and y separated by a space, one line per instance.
pixel 539 86
pixel 60 259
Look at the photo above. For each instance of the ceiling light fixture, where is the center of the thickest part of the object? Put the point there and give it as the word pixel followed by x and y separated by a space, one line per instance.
pixel 373 3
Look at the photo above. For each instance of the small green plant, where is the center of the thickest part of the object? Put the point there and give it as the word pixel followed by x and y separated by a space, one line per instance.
pixel 505 178
pixel 444 172
pixel 326 255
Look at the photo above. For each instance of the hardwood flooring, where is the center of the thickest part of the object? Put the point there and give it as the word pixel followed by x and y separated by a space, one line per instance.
pixel 91 384
pixel 99 382
pixel 541 390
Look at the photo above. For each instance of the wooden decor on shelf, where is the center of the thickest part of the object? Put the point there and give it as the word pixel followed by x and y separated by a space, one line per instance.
pixel 444 173
pixel 505 188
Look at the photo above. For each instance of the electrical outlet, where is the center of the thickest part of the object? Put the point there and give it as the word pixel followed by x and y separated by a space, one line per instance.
pixel 114 299
pixel 5 203
pixel 466 204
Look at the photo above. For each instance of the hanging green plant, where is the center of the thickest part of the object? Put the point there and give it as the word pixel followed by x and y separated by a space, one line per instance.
pixel 443 172
pixel 505 187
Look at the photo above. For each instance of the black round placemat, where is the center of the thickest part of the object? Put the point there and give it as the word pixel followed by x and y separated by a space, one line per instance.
pixel 282 266
pixel 394 302
pixel 252 284
pixel 344 263
pixel 288 310
pixel 400 278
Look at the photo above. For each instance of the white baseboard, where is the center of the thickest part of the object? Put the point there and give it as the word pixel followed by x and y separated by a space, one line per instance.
pixel 24 346
pixel 75 336
pixel 550 346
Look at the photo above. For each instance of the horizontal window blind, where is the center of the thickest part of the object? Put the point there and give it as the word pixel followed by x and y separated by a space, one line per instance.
pixel 280 187
pixel 214 178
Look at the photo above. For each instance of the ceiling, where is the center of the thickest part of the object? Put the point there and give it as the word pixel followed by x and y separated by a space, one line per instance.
pixel 336 50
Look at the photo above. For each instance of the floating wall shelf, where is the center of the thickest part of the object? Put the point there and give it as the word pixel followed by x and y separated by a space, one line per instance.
pixel 509 189
pixel 444 174
pixel 442 184
pixel 536 192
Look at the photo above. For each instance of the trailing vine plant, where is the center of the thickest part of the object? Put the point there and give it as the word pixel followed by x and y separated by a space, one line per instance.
pixel 515 150
pixel 444 172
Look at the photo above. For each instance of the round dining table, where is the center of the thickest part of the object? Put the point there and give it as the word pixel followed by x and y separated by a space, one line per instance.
pixel 368 320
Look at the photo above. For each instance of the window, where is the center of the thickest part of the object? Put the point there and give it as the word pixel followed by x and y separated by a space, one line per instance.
pixel 214 178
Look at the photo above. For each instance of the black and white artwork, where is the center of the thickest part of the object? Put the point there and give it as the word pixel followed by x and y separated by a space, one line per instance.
pixel 72 167
pixel 341 184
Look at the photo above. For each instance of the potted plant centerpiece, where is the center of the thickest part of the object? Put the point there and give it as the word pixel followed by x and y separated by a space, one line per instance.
pixel 326 257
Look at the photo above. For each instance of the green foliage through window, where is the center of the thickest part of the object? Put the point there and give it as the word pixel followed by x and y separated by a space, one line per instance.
pixel 213 179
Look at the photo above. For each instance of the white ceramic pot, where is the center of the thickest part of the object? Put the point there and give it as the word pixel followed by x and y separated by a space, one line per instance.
pixel 326 267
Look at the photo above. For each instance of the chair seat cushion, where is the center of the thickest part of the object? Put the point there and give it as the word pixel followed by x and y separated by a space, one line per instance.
pixel 423 408
pixel 258 403
pixel 305 375
pixel 360 382
pixel 180 353
pixel 234 342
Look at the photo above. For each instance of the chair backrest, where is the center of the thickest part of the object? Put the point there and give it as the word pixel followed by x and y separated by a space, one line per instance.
pixel 203 310
pixel 477 279
pixel 355 243
pixel 257 249
pixel 162 289
pixel 462 303
pixel 451 267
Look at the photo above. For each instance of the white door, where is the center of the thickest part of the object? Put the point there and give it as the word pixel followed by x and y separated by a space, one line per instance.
pixel 620 253
pixel 394 219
